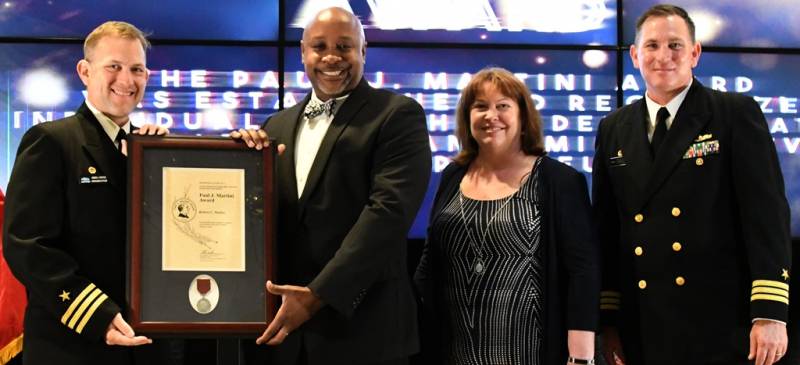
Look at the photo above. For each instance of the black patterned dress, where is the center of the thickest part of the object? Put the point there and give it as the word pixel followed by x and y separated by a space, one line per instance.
pixel 492 265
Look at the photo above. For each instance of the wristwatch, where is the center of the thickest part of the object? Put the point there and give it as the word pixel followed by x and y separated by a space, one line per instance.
pixel 578 361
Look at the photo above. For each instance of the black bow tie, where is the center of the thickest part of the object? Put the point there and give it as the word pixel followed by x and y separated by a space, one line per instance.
pixel 315 108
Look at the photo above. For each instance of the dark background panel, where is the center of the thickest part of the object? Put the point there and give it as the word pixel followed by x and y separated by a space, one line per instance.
pixel 250 20
pixel 730 23
pixel 472 21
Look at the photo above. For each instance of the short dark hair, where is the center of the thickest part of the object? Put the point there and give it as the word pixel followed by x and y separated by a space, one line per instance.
pixel 665 10
pixel 531 138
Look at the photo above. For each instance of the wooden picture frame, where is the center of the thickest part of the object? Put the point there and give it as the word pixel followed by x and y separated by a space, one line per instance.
pixel 201 236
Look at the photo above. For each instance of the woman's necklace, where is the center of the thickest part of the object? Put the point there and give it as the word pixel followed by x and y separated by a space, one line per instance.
pixel 479 266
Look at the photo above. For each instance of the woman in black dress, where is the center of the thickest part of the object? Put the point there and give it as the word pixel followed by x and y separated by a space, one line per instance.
pixel 509 273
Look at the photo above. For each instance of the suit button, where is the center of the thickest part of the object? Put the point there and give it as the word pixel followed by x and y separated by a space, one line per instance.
pixel 680 281
pixel 638 218
pixel 676 212
pixel 638 251
pixel 676 246
pixel 699 161
pixel 642 284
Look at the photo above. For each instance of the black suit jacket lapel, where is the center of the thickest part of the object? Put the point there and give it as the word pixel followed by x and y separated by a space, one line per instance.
pixel 347 112
pixel 100 150
pixel 692 116
pixel 636 150
pixel 287 134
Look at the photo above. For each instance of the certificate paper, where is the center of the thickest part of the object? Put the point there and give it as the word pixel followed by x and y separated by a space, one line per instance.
pixel 203 219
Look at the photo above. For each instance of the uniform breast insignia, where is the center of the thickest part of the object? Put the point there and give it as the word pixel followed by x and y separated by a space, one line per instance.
pixel 618 160
pixel 65 295
pixel 94 179
pixel 703 137
pixel 702 149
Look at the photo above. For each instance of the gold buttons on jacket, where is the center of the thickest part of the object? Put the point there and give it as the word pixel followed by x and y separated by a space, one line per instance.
pixel 676 211
pixel 638 251
pixel 638 218
pixel 680 281
pixel 699 161
pixel 642 284
pixel 676 246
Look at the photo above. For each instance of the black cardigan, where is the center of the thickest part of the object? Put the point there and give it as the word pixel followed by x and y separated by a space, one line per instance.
pixel 571 264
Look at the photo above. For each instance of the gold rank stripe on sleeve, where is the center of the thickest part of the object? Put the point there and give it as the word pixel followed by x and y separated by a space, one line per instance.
pixel 76 303
pixel 609 303
pixel 765 290
pixel 772 283
pixel 770 290
pixel 90 312
pixel 609 300
pixel 86 302
pixel 775 298
pixel 81 310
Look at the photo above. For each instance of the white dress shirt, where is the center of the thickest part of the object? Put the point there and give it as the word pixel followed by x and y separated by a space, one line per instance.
pixel 108 125
pixel 672 108
pixel 310 133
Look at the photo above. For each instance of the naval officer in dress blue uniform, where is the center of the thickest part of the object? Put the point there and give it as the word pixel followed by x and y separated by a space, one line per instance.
pixel 692 213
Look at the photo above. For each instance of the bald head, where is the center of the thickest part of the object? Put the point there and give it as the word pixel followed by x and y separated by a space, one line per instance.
pixel 337 15
pixel 333 51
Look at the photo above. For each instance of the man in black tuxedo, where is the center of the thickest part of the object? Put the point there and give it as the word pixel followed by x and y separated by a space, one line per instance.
pixel 692 214
pixel 65 216
pixel 354 168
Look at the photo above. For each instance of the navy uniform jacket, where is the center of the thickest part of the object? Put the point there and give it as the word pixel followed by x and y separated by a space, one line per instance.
pixel 696 239
pixel 64 239
pixel 345 237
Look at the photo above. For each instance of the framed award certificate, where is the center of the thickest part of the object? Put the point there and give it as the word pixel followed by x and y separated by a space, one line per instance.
pixel 201 236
